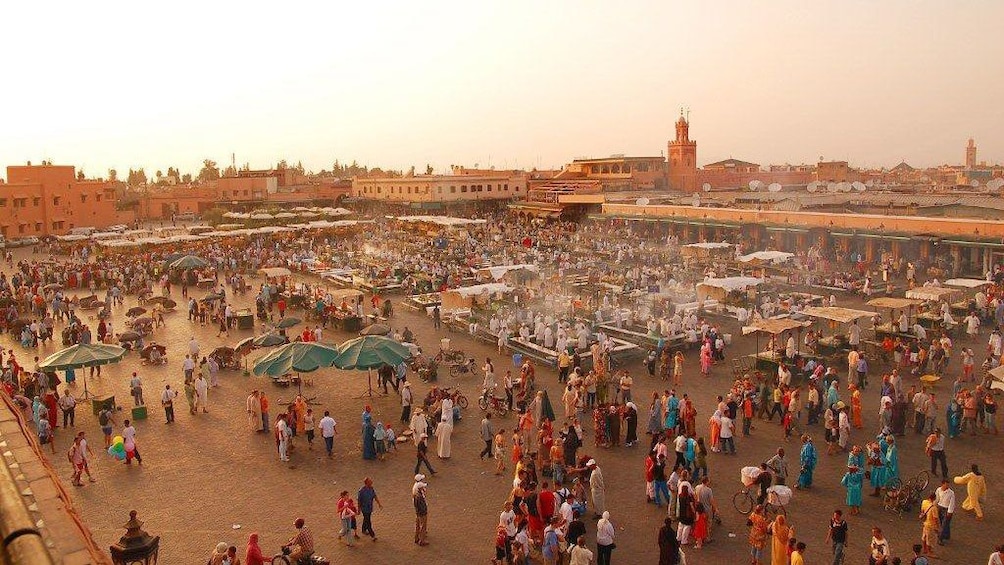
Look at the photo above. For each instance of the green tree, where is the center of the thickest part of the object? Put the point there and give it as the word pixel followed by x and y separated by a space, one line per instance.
pixel 186 178
pixel 428 169
pixel 137 177
pixel 209 171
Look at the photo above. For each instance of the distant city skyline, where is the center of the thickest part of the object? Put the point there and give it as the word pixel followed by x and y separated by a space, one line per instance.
pixel 511 85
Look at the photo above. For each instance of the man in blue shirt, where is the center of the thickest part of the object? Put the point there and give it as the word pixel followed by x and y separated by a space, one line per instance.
pixel 366 497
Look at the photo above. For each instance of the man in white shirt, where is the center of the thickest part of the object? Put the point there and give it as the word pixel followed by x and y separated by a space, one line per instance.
pixel 188 366
pixel 202 393
pixel 507 519
pixel 945 497
pixel 854 335
pixel 193 348
pixel 68 405
pixel 167 400
pixel 328 430
pixel 920 332
pixel 997 557
pixel 728 444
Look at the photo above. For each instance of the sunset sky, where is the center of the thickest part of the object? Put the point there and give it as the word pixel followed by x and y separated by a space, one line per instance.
pixel 508 84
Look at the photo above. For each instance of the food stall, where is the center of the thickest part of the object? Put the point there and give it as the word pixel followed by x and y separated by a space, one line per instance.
pixel 966 304
pixel 838 342
pixel 892 304
pixel 343 314
pixel 773 355
pixel 728 290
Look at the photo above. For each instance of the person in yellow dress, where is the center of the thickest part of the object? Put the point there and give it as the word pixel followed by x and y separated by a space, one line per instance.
pixel 856 407
pixel 930 525
pixel 976 489
pixel 781 532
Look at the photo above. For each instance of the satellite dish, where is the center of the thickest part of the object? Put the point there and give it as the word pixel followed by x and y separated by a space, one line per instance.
pixel 870 183
pixel 812 186
pixel 753 185
pixel 859 186
pixel 831 187
pixel 995 184
pixel 642 201
pixel 845 186
pixel 974 183
pixel 697 200
pixel 706 187
pixel 774 187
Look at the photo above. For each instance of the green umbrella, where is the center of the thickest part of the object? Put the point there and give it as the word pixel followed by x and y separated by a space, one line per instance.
pixel 81 355
pixel 269 340
pixel 188 262
pixel 288 322
pixel 296 357
pixel 370 352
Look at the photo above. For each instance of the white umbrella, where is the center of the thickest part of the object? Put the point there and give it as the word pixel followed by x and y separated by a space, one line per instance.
pixel 262 217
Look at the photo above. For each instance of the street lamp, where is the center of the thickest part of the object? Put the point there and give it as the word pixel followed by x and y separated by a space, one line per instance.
pixel 136 547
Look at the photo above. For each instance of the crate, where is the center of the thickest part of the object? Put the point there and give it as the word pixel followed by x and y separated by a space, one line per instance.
pixel 139 413
pixel 99 403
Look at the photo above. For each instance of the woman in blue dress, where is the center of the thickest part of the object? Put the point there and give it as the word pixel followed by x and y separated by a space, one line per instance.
pixel 654 416
pixel 856 457
pixel 369 440
pixel 37 409
pixel 807 462
pixel 876 462
pixel 853 479
pixel 672 411
pixel 953 416
pixel 891 461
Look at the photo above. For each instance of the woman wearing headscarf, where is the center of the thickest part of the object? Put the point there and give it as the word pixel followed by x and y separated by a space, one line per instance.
pixel 780 532
pixel 604 539
pixel 807 463
pixel 669 548
pixel 714 430
pixel 52 405
pixel 891 460
pixel 954 418
pixel 613 426
pixel 853 480
pixel 253 555
pixel 654 415
pixel 219 554
pixel 686 514
pixel 37 409
pixel 369 441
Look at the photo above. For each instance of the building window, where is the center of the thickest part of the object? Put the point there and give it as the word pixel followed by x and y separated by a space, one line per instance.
pixel 606 169
pixel 439 190
pixel 595 169
pixel 626 169
pixel 409 190
pixel 516 188
pixel 489 188
pixel 20 228
pixel 55 200
pixel 463 188
pixel 38 226
pixel 453 190
pixel 379 190
pixel 245 193
pixel 507 187
pixel 3 202
pixel 36 201
pixel 97 197
pixel 83 198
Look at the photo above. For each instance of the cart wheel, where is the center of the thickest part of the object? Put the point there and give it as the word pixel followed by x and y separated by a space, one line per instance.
pixel 743 503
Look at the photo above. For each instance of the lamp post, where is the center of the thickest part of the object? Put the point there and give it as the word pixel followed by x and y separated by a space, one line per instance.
pixel 136 546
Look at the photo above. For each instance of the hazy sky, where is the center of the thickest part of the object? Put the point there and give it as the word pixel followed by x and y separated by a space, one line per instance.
pixel 509 84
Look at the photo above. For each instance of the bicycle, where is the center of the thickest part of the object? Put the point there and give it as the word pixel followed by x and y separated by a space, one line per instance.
pixel 900 497
pixel 451 356
pixel 744 502
pixel 498 404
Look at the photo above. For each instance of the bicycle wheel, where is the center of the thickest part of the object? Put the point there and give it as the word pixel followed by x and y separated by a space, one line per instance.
pixel 923 479
pixel 893 484
pixel 743 502
pixel 461 401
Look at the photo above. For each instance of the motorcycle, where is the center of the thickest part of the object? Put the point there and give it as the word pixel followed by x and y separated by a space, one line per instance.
pixel 284 559
pixel 488 400
pixel 463 368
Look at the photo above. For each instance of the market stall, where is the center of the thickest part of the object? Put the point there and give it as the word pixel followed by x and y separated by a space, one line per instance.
pixel 891 328
pixel 838 342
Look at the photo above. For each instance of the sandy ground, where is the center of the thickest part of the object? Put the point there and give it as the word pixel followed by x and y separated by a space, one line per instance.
pixel 207 479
